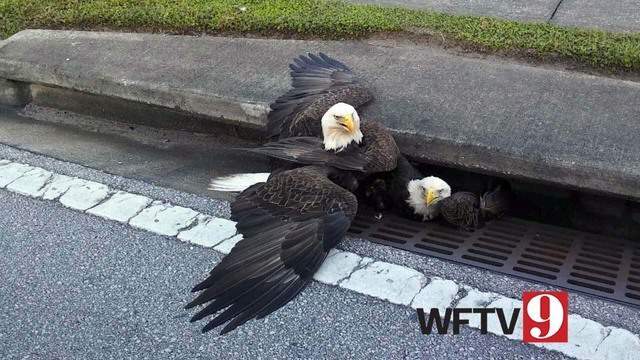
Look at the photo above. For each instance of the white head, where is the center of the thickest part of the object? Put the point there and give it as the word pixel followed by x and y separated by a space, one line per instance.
pixel 425 194
pixel 340 126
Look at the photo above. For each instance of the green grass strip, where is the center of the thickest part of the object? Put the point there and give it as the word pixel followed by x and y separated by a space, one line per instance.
pixel 324 19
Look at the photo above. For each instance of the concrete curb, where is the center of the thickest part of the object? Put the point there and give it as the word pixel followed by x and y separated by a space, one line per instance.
pixel 485 115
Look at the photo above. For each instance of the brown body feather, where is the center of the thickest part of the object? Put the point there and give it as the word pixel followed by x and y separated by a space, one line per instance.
pixel 469 211
pixel 461 209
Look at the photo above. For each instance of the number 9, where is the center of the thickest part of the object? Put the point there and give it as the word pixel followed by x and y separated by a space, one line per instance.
pixel 554 320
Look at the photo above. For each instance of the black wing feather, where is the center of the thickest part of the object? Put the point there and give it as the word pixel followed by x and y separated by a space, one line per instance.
pixel 318 82
pixel 310 151
pixel 302 215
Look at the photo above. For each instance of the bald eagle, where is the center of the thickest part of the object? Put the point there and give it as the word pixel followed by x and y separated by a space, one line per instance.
pixel 326 89
pixel 319 113
pixel 291 218
pixel 325 94
pixel 406 192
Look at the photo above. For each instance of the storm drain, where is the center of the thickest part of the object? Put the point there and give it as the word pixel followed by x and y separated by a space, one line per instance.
pixel 593 264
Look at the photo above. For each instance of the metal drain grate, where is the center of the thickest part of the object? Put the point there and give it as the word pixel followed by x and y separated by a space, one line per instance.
pixel 597 265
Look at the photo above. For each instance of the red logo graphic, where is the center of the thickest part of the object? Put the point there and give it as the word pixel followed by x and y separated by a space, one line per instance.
pixel 545 316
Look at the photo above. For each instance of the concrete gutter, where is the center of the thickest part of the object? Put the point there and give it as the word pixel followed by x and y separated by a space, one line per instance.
pixel 486 115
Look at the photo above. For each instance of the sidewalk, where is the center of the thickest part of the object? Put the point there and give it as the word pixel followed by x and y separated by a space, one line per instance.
pixel 621 15
pixel 485 115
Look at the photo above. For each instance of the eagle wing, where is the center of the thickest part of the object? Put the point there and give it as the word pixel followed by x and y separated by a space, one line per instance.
pixel 319 82
pixel 288 224
pixel 377 153
pixel 310 151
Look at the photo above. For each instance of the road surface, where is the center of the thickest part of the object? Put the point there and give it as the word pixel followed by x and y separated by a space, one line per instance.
pixel 79 286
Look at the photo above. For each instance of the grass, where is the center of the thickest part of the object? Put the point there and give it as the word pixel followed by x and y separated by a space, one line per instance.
pixel 324 19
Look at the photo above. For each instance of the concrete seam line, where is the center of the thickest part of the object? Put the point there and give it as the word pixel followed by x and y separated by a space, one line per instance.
pixel 385 281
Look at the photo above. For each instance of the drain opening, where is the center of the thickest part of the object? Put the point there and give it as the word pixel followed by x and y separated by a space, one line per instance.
pixel 592 264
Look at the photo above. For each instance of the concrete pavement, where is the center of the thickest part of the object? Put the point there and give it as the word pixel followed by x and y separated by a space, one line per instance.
pixel 520 10
pixel 617 16
pixel 487 115
pixel 622 16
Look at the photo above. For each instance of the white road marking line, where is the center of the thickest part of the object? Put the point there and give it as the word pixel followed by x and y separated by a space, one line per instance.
pixel 337 266
pixel 12 171
pixel 30 183
pixel 164 219
pixel 439 293
pixel 121 206
pixel 83 194
pixel 209 231
pixel 397 284
pixel 228 244
pixel 57 185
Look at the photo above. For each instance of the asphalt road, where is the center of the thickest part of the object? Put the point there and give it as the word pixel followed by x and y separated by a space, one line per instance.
pixel 81 287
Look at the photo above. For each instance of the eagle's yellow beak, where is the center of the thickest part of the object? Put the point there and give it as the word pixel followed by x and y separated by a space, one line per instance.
pixel 430 197
pixel 347 121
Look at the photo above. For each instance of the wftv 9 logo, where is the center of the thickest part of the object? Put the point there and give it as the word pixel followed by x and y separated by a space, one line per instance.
pixel 544 319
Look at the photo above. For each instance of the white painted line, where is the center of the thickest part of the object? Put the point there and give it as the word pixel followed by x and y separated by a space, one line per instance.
pixel 164 219
pixel 12 171
pixel 439 293
pixel 476 298
pixel 617 344
pixel 397 284
pixel 337 266
pixel 121 206
pixel 209 231
pixel 31 183
pixel 57 185
pixel 83 194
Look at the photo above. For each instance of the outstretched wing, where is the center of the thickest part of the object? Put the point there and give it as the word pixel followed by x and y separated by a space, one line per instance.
pixel 319 82
pixel 378 151
pixel 310 151
pixel 289 224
